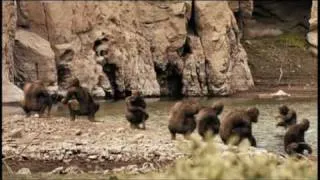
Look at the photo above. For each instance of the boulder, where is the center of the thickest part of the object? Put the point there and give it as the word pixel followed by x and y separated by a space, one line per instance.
pixel 227 69
pixel 33 58
pixel 9 21
pixel 312 38
pixel 11 93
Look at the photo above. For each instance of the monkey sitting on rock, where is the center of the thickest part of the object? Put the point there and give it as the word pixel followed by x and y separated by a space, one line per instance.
pixel 238 123
pixel 207 119
pixel 79 101
pixel 294 142
pixel 287 117
pixel 182 118
pixel 135 110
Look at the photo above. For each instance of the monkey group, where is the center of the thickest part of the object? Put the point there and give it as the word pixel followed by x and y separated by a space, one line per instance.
pixel 185 116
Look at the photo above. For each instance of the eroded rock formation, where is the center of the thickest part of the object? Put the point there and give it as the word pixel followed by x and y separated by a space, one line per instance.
pixel 312 36
pixel 10 92
pixel 162 48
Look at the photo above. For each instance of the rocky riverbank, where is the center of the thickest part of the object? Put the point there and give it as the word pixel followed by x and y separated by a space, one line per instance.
pixel 57 145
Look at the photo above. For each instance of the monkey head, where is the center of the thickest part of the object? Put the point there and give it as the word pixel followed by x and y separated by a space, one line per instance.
pixel 218 107
pixel 305 124
pixel 74 82
pixel 253 114
pixel 283 110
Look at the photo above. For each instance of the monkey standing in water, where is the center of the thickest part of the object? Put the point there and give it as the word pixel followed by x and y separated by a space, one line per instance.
pixel 288 117
pixel 239 123
pixel 182 118
pixel 208 120
pixel 36 98
pixel 79 101
pixel 135 110
pixel 294 142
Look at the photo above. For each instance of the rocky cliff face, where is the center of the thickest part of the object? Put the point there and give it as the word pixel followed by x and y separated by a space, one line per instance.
pixel 312 36
pixel 162 48
pixel 10 92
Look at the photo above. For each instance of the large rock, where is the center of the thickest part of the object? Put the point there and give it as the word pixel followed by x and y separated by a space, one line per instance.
pixel 312 36
pixel 121 46
pixel 33 58
pixel 9 18
pixel 10 92
pixel 227 60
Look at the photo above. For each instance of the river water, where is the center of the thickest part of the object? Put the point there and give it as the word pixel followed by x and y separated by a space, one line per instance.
pixel 268 136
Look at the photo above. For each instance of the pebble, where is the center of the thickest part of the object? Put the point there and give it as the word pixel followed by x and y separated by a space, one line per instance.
pixel 16 133
pixel 114 151
pixel 120 130
pixel 78 132
pixel 93 157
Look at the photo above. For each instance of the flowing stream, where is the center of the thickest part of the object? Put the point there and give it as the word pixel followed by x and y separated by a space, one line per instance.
pixel 267 134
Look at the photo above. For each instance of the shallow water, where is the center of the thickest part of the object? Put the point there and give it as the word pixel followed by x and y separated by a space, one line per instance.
pixel 265 131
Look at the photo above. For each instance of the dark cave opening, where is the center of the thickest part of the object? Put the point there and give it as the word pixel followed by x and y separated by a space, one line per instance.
pixel 170 81
pixel 64 73
pixel 192 24
pixel 287 15
pixel 97 43
pixel 111 71
pixel 67 56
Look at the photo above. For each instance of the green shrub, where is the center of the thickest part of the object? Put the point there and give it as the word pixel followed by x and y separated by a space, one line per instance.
pixel 292 40
pixel 207 162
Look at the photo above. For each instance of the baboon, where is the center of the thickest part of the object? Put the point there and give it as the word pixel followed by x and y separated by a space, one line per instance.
pixel 208 120
pixel 182 118
pixel 239 123
pixel 79 101
pixel 294 142
pixel 36 98
pixel 287 117
pixel 135 110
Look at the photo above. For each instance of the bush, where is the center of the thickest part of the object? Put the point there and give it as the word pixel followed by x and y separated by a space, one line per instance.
pixel 207 162
pixel 292 40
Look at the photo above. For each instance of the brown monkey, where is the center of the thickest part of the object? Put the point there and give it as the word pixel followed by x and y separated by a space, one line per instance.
pixel 135 110
pixel 239 123
pixel 294 141
pixel 182 118
pixel 288 117
pixel 79 101
pixel 208 120
pixel 36 98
